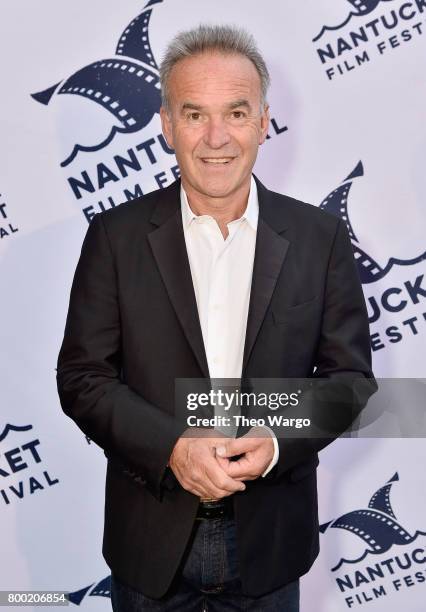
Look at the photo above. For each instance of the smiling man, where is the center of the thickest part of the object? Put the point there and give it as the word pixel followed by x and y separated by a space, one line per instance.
pixel 213 277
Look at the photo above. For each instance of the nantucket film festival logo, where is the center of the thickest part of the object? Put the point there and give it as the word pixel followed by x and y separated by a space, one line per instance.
pixel 367 30
pixel 391 559
pixel 109 124
pixel 23 471
pixel 95 589
pixel 395 292
pixel 7 227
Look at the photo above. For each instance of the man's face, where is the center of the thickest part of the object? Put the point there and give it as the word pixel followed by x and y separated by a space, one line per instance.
pixel 216 123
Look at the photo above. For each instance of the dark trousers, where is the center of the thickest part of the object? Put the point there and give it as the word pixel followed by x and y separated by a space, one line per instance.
pixel 208 580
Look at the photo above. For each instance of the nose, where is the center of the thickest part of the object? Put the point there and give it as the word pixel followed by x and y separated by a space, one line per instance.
pixel 216 134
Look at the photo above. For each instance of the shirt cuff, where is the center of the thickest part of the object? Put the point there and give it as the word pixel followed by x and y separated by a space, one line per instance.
pixel 276 451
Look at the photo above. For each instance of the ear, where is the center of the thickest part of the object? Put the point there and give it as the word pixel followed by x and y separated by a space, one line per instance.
pixel 264 124
pixel 166 126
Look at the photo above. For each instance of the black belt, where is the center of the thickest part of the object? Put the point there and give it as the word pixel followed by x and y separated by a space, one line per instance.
pixel 216 509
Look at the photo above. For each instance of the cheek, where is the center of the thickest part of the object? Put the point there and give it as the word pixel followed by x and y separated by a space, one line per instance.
pixel 186 142
pixel 249 137
pixel 250 144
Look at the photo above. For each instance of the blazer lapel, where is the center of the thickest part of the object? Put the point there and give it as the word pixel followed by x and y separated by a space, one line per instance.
pixel 270 252
pixel 169 249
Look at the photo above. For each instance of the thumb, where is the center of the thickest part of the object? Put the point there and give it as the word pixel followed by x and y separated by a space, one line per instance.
pixel 232 447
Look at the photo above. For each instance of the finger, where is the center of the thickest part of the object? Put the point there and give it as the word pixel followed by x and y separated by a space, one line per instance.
pixel 202 471
pixel 223 462
pixel 203 484
pixel 236 446
pixel 249 467
pixel 221 480
pixel 224 482
pixel 235 474
pixel 209 490
pixel 213 475
pixel 240 469
pixel 197 487
pixel 198 492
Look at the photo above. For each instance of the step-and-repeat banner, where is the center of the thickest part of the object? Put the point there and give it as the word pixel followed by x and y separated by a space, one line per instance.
pixel 80 133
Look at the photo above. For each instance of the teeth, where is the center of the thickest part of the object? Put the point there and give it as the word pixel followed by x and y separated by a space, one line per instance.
pixel 216 160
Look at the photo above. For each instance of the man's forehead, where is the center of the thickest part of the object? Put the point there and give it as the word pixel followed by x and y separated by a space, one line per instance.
pixel 229 104
pixel 204 79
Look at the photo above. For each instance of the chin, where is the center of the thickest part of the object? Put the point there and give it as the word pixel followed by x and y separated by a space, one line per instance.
pixel 219 189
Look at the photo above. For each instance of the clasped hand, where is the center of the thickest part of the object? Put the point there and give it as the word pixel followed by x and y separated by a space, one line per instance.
pixel 201 461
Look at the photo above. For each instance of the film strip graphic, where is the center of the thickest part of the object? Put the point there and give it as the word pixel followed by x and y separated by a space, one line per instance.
pixel 364 7
pixel 127 85
pixel 337 203
pixel 378 531
pixel 112 85
pixel 99 589
pixel 381 498
pixel 134 41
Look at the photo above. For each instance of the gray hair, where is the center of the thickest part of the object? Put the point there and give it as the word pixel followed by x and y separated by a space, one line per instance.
pixel 224 39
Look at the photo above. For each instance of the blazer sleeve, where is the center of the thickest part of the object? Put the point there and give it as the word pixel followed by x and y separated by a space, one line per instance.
pixel 134 433
pixel 344 378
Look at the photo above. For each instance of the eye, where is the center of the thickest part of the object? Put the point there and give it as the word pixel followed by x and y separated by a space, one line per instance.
pixel 238 114
pixel 194 116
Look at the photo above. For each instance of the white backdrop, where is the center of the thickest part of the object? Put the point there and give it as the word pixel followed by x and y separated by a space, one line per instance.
pixel 368 108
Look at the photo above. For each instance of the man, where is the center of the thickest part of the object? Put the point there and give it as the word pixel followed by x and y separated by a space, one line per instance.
pixel 213 277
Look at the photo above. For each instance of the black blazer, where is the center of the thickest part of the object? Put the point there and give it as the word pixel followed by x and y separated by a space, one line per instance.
pixel 133 327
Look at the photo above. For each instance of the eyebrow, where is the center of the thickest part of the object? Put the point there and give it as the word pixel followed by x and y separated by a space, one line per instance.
pixel 233 105
pixel 238 103
pixel 191 106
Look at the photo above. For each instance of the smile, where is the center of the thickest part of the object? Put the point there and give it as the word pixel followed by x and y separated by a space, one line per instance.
pixel 217 160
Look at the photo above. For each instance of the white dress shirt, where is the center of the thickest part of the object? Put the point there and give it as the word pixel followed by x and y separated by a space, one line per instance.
pixel 221 272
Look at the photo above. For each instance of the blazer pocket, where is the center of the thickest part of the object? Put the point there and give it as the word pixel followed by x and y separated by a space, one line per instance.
pixel 284 315
pixel 304 469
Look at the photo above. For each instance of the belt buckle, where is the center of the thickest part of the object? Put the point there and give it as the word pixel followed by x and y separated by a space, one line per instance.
pixel 214 508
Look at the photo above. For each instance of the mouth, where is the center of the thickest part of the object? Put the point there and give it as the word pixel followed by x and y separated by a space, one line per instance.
pixel 217 160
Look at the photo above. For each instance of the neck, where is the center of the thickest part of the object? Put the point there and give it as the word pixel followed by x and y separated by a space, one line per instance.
pixel 223 210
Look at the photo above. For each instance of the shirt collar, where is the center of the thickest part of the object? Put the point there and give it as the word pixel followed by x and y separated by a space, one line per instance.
pixel 251 213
